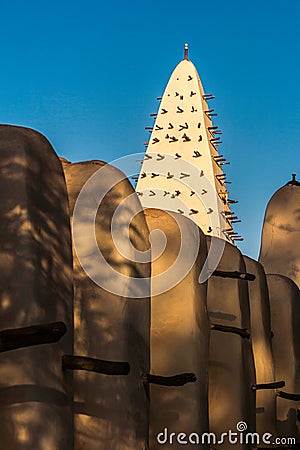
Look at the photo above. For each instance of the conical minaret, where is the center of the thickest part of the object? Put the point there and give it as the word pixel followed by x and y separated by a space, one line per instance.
pixel 182 169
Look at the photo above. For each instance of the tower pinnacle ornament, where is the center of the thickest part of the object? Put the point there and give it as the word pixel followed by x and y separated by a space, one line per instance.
pixel 182 168
pixel 186 51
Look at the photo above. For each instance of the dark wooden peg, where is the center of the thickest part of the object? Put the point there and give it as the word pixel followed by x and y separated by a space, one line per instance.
pixel 289 396
pixel 175 380
pixel 70 362
pixel 274 385
pixel 227 329
pixel 47 333
pixel 234 274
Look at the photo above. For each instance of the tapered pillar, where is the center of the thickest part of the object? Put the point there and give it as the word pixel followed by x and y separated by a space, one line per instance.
pixel 231 364
pixel 179 331
pixel 261 334
pixel 35 293
pixel 285 320
pixel 111 312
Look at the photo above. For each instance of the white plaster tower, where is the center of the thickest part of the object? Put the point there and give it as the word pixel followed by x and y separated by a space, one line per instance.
pixel 182 168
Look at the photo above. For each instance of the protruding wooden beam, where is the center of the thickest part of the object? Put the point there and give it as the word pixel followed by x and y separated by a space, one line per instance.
pixel 235 274
pixel 289 396
pixel 175 380
pixel 47 333
pixel 70 362
pixel 274 385
pixel 243 332
pixel 208 96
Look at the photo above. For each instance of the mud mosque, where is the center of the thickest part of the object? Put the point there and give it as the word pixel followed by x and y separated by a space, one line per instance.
pixel 130 320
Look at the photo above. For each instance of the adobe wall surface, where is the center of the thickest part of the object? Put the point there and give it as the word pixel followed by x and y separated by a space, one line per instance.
pixel 35 288
pixel 111 412
pixel 285 321
pixel 110 278
pixel 179 332
pixel 261 335
pixel 231 363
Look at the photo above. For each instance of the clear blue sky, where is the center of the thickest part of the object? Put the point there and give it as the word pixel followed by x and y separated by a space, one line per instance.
pixel 86 74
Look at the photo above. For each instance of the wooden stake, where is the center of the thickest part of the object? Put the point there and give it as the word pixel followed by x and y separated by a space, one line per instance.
pixel 235 274
pixel 175 380
pixel 227 329
pixel 48 333
pixel 288 396
pixel 70 362
pixel 275 385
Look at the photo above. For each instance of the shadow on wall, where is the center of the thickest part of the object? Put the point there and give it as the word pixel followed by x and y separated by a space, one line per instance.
pixel 179 329
pixel 111 412
pixel 35 288
pixel 231 364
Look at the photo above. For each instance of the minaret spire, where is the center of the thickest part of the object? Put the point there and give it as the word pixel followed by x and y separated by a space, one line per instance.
pixel 186 51
pixel 182 170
